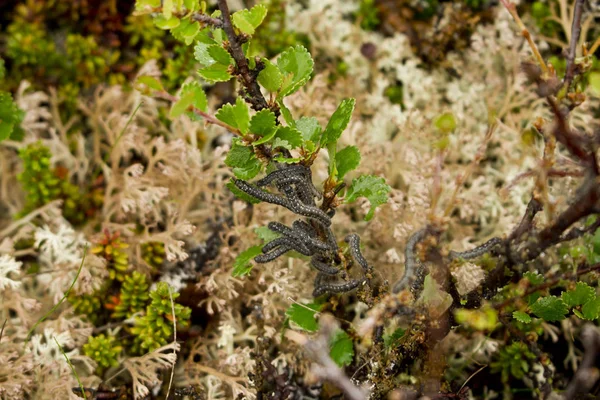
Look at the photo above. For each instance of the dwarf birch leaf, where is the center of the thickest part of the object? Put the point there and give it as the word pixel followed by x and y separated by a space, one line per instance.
pixel 215 73
pixel 295 65
pixel 248 20
pixel 236 115
pixel 290 135
pixel 242 265
pixel 179 107
pixel 522 317
pixel 550 308
pixel 373 188
pixel 578 296
pixel 270 77
pixel 304 315
pixel 591 309
pixel 309 127
pixel 341 349
pixel 219 54
pixel 338 121
pixel 262 123
pixel 346 160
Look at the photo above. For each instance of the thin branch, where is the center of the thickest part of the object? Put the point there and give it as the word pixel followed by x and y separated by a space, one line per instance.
pixel 512 9
pixel 586 376
pixel 205 19
pixel 533 207
pixel 575 32
pixel 247 76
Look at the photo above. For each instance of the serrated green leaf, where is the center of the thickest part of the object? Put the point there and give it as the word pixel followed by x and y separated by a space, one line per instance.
pixel 262 123
pixel 304 315
pixel 166 23
pixel 249 171
pixel 373 188
pixel 200 102
pixel 522 317
pixel 341 349
pixel 150 81
pixel 201 54
pixel 236 115
pixel 591 309
pixel 287 114
pixel 267 138
pixel 296 66
pixel 550 308
pixel 248 20
pixel 215 73
pixel 181 105
pixel 393 338
pixel 533 277
pixel 219 54
pixel 265 234
pixel 578 296
pixel 282 159
pixel 347 160
pixel 186 31
pixel 242 265
pixel 270 77
pixel 239 156
pixel 338 122
pixel 240 194
pixel 289 135
pixel 310 128
pixel 191 5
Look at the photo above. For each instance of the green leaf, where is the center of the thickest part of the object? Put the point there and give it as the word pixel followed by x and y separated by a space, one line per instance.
pixel 522 317
pixel 482 319
pixel 591 309
pixel 578 296
pixel 296 65
pixel 282 159
pixel 373 188
pixel 550 308
pixel 346 160
pixel 215 73
pixel 291 136
pixel 236 115
pixel 243 161
pixel 445 123
pixel 270 77
pixel 266 138
pixel 262 123
pixel 534 278
pixel 181 105
pixel 393 338
pixel 167 8
pixel 310 128
pixel 341 349
pixel 338 121
pixel 240 194
pixel 186 31
pixel 166 23
pixel 219 54
pixel 202 55
pixel 242 265
pixel 248 20
pixel 304 315
pixel 150 81
pixel 10 116
pixel 594 82
pixel 287 114
pixel 265 234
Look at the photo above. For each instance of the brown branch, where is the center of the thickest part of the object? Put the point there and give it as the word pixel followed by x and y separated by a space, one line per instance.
pixel 533 207
pixel 575 33
pixel 586 376
pixel 246 75
pixel 205 19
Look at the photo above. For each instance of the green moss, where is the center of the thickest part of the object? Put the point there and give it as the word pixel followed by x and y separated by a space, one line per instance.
pixel 153 253
pixel 134 296
pixel 39 182
pixel 156 327
pixel 513 361
pixel 105 350
pixel 111 248
pixel 87 305
pixel 368 15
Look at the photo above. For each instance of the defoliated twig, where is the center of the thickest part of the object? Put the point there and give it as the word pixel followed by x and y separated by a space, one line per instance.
pixel 575 32
pixel 512 9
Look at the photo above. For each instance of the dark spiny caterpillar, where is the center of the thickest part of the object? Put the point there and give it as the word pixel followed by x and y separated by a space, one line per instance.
pixel 477 251
pixel 312 237
pixel 413 269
